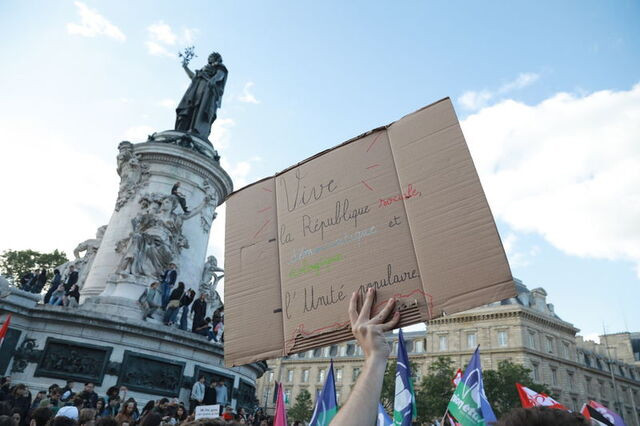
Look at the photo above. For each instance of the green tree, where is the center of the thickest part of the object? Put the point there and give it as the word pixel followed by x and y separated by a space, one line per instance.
pixel 303 408
pixel 500 386
pixel 435 390
pixel 16 263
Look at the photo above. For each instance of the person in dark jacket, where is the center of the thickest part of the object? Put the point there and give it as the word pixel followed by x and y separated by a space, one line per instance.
pixel 55 282
pixel 210 394
pixel 25 279
pixel 20 400
pixel 72 298
pixel 33 281
pixel 71 279
pixel 89 397
pixel 168 280
pixel 41 280
pixel 173 305
pixel 199 309
pixel 185 301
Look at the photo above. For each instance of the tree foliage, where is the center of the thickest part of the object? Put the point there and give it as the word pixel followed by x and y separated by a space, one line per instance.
pixel 16 263
pixel 303 408
pixel 435 391
pixel 500 386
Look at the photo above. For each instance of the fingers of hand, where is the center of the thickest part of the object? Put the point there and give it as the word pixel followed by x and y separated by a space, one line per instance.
pixel 353 309
pixel 384 313
pixel 365 313
pixel 392 323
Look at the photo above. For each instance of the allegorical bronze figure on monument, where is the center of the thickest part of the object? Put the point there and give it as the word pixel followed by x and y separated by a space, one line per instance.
pixel 198 107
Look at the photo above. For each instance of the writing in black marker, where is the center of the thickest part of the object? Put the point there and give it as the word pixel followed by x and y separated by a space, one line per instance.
pixel 342 214
pixel 390 279
pixel 305 195
pixel 313 301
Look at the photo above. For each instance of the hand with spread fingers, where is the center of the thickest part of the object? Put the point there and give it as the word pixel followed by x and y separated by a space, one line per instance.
pixel 362 406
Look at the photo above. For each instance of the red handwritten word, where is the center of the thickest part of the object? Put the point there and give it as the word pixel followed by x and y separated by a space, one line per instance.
pixel 410 193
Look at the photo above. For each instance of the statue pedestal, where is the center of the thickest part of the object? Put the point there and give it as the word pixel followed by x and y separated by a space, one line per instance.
pixel 148 171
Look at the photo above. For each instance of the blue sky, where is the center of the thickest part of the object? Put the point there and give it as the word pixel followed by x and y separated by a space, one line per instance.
pixel 547 94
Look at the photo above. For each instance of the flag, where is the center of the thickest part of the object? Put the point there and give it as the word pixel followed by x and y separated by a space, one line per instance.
pixel 383 417
pixel 469 403
pixel 531 398
pixel 275 392
pixel 280 418
pixel 326 402
pixel 595 411
pixel 457 377
pixel 450 420
pixel 404 403
pixel 5 327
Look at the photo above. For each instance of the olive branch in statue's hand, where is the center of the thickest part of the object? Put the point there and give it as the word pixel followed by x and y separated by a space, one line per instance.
pixel 187 55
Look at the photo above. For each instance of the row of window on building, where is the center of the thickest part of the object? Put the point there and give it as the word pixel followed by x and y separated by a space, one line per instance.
pixel 321 373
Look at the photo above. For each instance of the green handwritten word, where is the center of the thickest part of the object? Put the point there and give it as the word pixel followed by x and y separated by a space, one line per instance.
pixel 347 238
pixel 315 267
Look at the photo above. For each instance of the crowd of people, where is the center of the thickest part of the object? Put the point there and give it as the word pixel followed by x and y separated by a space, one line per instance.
pixel 176 302
pixel 62 406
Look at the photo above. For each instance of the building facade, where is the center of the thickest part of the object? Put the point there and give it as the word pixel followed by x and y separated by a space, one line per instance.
pixel 524 330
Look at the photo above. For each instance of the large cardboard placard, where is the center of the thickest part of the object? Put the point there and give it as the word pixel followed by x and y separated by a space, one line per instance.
pixel 399 208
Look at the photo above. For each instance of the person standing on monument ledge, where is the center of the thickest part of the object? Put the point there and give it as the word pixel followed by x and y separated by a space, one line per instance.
pixel 198 108
pixel 168 280
pixel 180 196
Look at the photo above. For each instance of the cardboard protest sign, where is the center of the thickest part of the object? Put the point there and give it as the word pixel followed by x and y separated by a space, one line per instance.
pixel 399 208
pixel 208 411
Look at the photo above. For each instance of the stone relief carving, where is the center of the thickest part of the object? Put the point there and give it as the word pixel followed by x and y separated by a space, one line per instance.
pixel 151 374
pixel 209 282
pixel 25 354
pixel 71 360
pixel 133 173
pixel 82 263
pixel 156 238
pixel 209 214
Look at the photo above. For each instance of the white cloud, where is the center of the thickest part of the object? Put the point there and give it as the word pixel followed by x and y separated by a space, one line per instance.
pixel 168 103
pixel 247 96
pixel 567 169
pixel 93 24
pixel 474 100
pixel 58 200
pixel 138 133
pixel 220 132
pixel 162 39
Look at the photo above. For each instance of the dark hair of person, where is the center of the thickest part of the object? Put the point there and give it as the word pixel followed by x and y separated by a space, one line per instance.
pixel 184 413
pixel 148 407
pixel 55 271
pixel 77 401
pixel 164 401
pixel 104 403
pixel 62 421
pixel 106 421
pixel 88 383
pixel 16 388
pixel 86 415
pixel 540 416
pixel 151 419
pixel 6 420
pixel 41 415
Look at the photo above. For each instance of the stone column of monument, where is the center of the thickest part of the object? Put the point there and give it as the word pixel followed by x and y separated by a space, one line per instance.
pixel 149 228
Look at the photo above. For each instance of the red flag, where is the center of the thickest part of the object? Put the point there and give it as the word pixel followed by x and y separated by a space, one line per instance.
pixel 280 418
pixel 531 398
pixel 5 327
pixel 457 377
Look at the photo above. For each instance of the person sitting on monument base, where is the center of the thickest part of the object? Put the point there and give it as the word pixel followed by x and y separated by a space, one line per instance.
pixel 181 197
pixel 148 301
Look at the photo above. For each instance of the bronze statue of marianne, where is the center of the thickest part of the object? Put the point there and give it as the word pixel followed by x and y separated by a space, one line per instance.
pixel 197 109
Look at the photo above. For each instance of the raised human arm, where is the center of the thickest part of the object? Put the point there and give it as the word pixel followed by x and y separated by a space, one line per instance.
pixel 190 73
pixel 361 409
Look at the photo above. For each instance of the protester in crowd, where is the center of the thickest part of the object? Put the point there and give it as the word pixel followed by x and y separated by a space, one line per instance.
pixel 89 397
pixel 161 407
pixel 126 414
pixel 87 417
pixel 149 406
pixel 228 413
pixel 113 407
pixel 33 281
pixel 25 279
pixel 72 298
pixel 72 278
pixel 221 393
pixel 151 419
pixel 361 407
pixel 40 396
pixel 106 421
pixel 185 301
pixel 197 393
pixel 204 328
pixel 55 282
pixel 40 416
pixel 171 313
pixel 101 406
pixel 181 414
pixel 57 296
pixel 168 280
pixel 20 400
pixel 149 300
pixel 5 388
pixel 53 402
pixel 210 394
pixel 175 190
pixel 66 393
pixel 63 421
pixel 40 282
pixel 541 416
pixel 199 310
